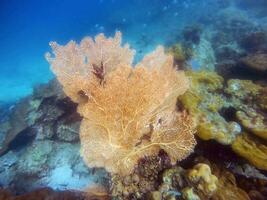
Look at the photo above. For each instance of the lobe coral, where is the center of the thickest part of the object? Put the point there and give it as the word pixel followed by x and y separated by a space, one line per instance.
pixel 128 112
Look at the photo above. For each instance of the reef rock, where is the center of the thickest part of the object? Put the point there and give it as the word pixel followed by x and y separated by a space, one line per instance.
pixel 23 116
pixel 41 145
pixel 256 61
pixel 68 132
pixel 42 107
pixel 204 54
pixel 234 22
pixel 47 163
pixel 255 41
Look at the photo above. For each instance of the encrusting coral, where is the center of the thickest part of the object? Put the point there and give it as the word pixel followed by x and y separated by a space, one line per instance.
pixel 251 148
pixel 192 184
pixel 128 112
pixel 204 102
pixel 224 112
pixel 250 114
pixel 204 180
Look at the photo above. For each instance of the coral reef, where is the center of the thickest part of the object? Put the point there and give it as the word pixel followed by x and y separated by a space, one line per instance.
pixel 204 54
pixel 194 51
pixel 176 182
pixel 125 117
pixel 251 149
pixel 255 41
pixel 44 152
pixel 153 178
pixel 203 181
pixel 34 113
pixel 204 101
pixel 128 113
pixel 22 117
pixel 223 112
pixel 257 61
pixel 143 180
pixel 235 37
pixel 227 188
pixel 201 178
pixel 243 90
pixel 249 100
pixel 254 122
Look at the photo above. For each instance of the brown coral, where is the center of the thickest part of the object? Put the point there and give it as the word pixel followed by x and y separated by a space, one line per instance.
pixel 227 188
pixel 130 112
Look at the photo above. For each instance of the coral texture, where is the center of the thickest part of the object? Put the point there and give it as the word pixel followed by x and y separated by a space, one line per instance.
pixel 204 102
pixel 198 183
pixel 128 112
pixel 227 187
pixel 251 148
pixel 204 180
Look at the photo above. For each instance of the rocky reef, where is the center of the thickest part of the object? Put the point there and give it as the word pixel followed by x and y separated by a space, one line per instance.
pixel 227 100
pixel 228 113
pixel 197 178
pixel 226 64
pixel 40 148
pixel 40 145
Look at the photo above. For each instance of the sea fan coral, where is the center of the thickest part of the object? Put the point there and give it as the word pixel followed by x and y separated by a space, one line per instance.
pixel 128 112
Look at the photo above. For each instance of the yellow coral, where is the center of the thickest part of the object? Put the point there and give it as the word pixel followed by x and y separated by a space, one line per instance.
pixel 203 178
pixel 253 121
pixel 251 149
pixel 204 104
pixel 127 112
pixel 189 194
pixel 242 88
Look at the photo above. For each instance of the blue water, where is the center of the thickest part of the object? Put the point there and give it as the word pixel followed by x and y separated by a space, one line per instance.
pixel 28 26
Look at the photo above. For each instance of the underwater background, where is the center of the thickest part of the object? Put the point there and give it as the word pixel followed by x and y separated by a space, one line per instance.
pixel 28 26
pixel 222 46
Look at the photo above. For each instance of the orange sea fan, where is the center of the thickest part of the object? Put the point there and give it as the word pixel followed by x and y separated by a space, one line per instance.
pixel 132 112
pixel 73 63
